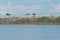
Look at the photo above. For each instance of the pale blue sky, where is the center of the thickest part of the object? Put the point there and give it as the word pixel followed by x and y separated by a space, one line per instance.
pixel 22 7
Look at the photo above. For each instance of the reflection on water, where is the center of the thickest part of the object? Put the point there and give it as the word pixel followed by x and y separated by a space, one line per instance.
pixel 29 32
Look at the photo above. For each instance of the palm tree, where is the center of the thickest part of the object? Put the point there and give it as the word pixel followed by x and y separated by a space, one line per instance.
pixel 33 14
pixel 8 15
pixel 33 17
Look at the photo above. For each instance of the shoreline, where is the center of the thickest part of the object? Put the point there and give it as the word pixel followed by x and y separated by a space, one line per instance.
pixel 29 24
pixel 33 20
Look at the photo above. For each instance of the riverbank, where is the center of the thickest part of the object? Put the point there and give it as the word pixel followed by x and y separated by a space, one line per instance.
pixel 30 23
pixel 31 20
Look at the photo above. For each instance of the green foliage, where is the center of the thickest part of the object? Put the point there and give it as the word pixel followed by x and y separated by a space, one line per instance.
pixel 31 20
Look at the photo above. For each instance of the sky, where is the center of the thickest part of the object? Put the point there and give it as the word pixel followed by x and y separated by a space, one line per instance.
pixel 23 7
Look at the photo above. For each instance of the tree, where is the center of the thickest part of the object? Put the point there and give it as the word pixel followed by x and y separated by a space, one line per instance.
pixel 33 14
pixel 7 14
pixel 9 17
pixel 33 18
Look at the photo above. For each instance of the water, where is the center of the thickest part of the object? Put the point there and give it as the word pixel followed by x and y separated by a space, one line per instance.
pixel 29 32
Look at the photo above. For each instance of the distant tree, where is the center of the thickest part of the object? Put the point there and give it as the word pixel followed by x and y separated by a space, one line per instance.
pixel 33 14
pixel 57 19
pixel 33 18
pixel 7 14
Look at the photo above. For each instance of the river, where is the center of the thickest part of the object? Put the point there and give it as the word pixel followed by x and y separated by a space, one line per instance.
pixel 29 32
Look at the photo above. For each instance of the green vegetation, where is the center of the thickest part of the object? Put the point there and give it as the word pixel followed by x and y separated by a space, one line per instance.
pixel 31 20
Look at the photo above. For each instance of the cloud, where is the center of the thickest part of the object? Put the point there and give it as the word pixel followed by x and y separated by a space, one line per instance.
pixel 49 1
pixel 55 8
pixel 28 9
pixel 33 0
pixel 44 1
pixel 20 8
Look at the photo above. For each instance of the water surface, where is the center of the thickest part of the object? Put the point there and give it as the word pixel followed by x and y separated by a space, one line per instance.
pixel 29 32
